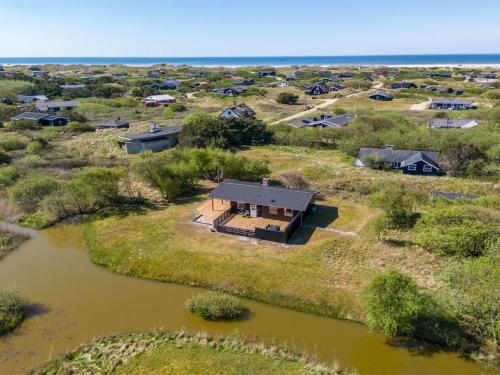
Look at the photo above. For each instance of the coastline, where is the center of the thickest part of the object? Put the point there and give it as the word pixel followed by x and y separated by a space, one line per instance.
pixel 430 66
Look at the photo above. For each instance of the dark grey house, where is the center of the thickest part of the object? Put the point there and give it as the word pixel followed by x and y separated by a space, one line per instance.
pixel 260 210
pixel 243 81
pixel 229 91
pixel 380 95
pixel 345 75
pixel 318 89
pixel 43 119
pixel 324 121
pixel 56 106
pixel 266 73
pixel 442 89
pixel 72 87
pixel 32 98
pixel 409 161
pixel 446 123
pixel 454 104
pixel 403 85
pixel 168 84
pixel 114 124
pixel 239 111
pixel 156 139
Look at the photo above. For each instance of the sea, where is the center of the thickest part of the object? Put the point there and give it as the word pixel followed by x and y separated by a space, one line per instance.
pixel 276 61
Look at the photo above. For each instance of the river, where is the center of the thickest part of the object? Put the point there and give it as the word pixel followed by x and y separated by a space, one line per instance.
pixel 75 301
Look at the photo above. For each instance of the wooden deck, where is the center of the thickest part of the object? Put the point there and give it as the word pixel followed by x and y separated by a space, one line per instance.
pixel 209 215
pixel 250 223
pixel 239 221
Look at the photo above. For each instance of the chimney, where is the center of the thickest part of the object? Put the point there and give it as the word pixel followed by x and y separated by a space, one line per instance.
pixel 153 128
pixel 265 181
pixel 389 147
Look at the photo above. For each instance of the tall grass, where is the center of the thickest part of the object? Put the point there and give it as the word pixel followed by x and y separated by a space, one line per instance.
pixel 13 309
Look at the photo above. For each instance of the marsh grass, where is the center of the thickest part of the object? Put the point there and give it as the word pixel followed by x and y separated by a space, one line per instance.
pixel 13 309
pixel 185 353
pixel 215 306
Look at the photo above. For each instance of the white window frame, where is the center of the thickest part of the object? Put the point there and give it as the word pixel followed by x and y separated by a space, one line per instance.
pixel 412 167
pixel 288 212
pixel 427 168
pixel 273 210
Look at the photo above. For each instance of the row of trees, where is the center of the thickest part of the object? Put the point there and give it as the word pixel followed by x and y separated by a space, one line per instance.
pixel 177 172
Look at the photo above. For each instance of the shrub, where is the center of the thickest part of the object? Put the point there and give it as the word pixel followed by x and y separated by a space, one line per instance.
pixel 168 113
pixel 287 98
pixel 78 127
pixel 29 191
pixel 473 291
pixel 293 179
pixel 177 107
pixel 37 146
pixel 7 176
pixel 393 302
pixel 215 306
pixel 10 143
pixel 13 309
pixel 457 229
pixel 398 205
pixel 39 220
pixel 23 125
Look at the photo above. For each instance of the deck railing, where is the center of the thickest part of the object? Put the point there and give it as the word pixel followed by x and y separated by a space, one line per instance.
pixel 223 219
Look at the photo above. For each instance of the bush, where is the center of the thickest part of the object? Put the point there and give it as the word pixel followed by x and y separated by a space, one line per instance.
pixel 203 130
pixel 7 176
pixel 398 204
pixel 177 107
pixel 215 306
pixel 29 191
pixel 23 125
pixel 287 98
pixel 393 302
pixel 37 146
pixel 78 127
pixel 13 309
pixel 473 291
pixel 168 113
pixel 456 230
pixel 293 179
pixel 11 143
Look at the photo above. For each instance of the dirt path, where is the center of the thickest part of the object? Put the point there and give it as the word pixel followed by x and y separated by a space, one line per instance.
pixel 326 103
pixel 420 106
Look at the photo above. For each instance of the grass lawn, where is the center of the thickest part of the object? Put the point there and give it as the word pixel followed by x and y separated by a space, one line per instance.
pixel 181 353
pixel 320 271
pixel 362 101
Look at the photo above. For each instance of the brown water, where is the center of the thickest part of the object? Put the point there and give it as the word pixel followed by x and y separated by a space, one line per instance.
pixel 79 301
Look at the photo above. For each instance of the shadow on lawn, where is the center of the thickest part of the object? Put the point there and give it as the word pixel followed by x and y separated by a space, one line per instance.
pixel 321 217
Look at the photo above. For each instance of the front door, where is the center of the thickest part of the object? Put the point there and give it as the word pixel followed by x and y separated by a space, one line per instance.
pixel 253 210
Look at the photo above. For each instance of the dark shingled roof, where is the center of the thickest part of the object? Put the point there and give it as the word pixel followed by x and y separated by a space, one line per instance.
pixel 446 195
pixel 242 110
pixel 157 134
pixel 419 156
pixel 256 193
pixel 336 121
pixel 391 155
pixel 114 124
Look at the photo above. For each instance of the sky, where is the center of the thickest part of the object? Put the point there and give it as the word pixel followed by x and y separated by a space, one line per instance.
pixel 189 28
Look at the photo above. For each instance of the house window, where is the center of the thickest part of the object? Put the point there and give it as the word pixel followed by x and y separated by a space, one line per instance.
pixel 241 206
pixel 427 168
pixel 288 212
pixel 273 210
pixel 395 164
pixel 412 167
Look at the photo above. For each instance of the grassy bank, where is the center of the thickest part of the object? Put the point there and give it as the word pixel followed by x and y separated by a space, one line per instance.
pixel 13 309
pixel 9 241
pixel 181 353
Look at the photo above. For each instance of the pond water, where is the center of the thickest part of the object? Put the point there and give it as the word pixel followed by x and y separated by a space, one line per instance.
pixel 76 301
